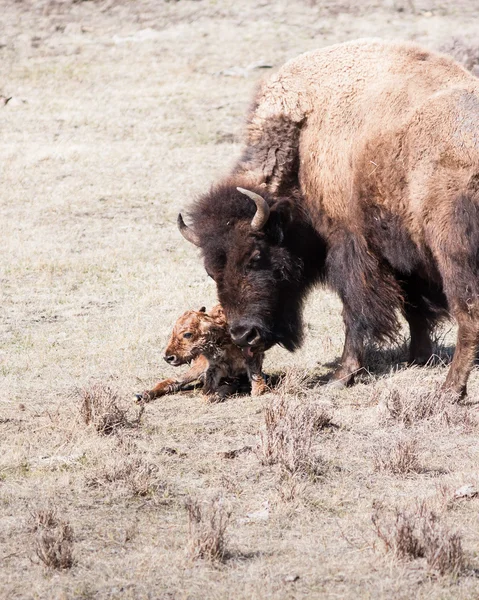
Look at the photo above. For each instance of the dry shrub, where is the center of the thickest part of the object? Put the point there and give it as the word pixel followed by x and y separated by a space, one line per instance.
pixel 53 542
pixel 400 458
pixel 419 533
pixel 411 405
pixel 290 488
pixel 289 433
pixel 207 524
pixel 101 407
pixel 135 476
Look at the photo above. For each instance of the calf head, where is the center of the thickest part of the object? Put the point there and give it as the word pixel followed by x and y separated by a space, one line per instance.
pixel 192 332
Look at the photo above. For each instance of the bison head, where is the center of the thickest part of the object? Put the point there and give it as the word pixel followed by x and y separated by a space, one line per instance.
pixel 259 251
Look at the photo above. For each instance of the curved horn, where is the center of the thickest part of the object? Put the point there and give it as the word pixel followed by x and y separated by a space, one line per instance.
pixel 186 232
pixel 262 209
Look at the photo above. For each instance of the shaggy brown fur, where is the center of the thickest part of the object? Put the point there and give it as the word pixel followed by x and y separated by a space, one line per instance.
pixel 203 340
pixel 367 154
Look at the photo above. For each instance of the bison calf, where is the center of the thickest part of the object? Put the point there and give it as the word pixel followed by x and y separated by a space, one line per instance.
pixel 203 340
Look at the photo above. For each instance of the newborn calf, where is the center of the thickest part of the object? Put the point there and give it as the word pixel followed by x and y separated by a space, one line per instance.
pixel 203 340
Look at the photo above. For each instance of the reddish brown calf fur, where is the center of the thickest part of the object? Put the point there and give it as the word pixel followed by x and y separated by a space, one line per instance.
pixel 203 339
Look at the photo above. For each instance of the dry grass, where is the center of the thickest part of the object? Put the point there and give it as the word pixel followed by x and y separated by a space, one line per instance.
pixel 133 476
pixel 411 406
pixel 399 458
pixel 53 539
pixel 102 408
pixel 290 431
pixel 121 113
pixel 207 525
pixel 419 533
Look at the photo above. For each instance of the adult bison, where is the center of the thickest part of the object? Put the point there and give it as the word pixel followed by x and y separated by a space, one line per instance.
pixel 361 170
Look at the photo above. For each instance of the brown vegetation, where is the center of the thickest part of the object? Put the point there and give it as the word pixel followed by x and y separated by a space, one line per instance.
pixel 399 458
pixel 419 533
pixel 53 539
pixel 207 524
pixel 290 431
pixel 101 407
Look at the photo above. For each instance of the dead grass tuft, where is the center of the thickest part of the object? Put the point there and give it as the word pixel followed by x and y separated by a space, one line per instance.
pixel 135 476
pixel 207 529
pixel 419 533
pixel 101 407
pixel 289 434
pixel 400 458
pixel 53 539
pixel 409 406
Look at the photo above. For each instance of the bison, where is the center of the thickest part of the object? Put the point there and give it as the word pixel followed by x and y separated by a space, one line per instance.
pixel 203 340
pixel 360 171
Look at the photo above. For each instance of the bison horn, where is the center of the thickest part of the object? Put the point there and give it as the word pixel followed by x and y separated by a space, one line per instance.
pixel 186 232
pixel 262 209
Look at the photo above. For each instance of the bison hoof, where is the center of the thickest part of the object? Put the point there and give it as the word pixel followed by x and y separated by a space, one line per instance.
pixel 337 384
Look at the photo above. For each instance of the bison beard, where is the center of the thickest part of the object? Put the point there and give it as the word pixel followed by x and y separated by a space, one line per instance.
pixel 367 156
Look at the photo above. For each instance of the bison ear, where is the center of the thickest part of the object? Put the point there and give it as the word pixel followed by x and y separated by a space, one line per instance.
pixel 202 309
pixel 280 218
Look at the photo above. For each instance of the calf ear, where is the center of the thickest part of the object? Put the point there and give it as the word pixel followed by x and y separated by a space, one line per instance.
pixel 279 220
pixel 202 309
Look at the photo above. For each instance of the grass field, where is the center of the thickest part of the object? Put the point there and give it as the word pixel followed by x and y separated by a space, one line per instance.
pixel 120 112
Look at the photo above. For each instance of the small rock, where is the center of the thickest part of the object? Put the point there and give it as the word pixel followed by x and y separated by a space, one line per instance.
pixel 235 453
pixel 466 491
pixel 260 515
pixel 290 578
pixel 168 450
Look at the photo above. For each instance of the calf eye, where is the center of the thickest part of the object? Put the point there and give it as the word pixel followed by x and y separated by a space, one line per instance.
pixel 187 335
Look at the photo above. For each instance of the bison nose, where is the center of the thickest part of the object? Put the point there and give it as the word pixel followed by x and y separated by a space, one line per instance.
pixel 170 358
pixel 245 335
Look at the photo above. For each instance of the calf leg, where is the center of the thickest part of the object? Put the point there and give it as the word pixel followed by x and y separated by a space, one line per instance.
pixel 171 386
pixel 254 367
pixel 211 386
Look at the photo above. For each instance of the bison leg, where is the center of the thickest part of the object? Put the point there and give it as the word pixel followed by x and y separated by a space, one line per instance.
pixel 352 358
pixel 420 347
pixel 370 294
pixel 424 305
pixel 464 355
pixel 454 240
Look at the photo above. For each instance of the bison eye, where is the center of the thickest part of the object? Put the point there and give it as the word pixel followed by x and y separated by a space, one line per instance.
pixel 255 259
pixel 187 335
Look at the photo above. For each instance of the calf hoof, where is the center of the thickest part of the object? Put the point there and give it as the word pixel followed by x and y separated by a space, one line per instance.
pixel 212 398
pixel 258 388
pixel 141 398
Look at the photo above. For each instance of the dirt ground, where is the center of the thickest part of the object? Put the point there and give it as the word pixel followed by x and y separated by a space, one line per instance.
pixel 113 115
